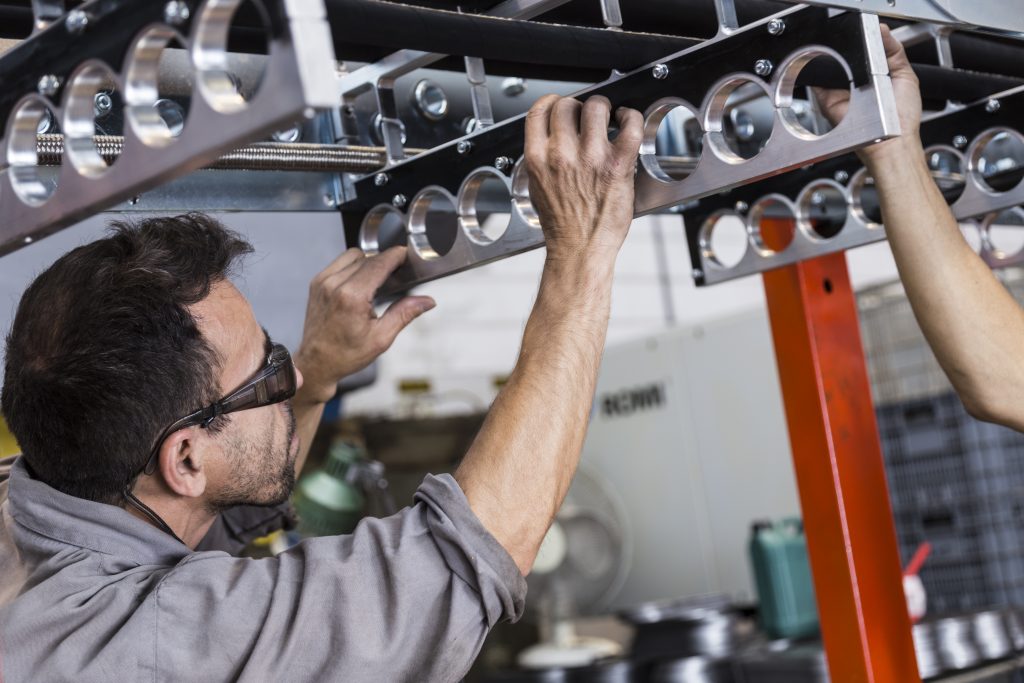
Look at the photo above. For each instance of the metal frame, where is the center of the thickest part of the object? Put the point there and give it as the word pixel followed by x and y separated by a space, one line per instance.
pixel 36 201
pixel 997 16
pixel 854 40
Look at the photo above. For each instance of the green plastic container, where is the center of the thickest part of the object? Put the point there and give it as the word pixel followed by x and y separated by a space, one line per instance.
pixel 326 501
pixel 778 554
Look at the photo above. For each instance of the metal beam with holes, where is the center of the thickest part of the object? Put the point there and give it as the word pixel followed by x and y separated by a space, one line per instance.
pixel 416 200
pixel 976 154
pixel 57 73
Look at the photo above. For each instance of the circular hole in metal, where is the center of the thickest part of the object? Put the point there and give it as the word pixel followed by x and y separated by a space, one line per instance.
pixel 32 182
pixel 521 195
pixel 947 167
pixel 158 86
pixel 383 228
pixel 433 223
pixel 999 160
pixel 93 114
pixel 1005 232
pixel 430 100
pixel 723 239
pixel 740 119
pixel 802 75
pixel 230 50
pixel 822 209
pixel 485 205
pixel 864 200
pixel 673 139
pixel 772 222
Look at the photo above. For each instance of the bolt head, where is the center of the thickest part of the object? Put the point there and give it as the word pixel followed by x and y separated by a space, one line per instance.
pixel 841 176
pixel 660 71
pixel 741 206
pixel 48 85
pixel 330 201
pixel 992 106
pixel 697 273
pixel 776 27
pixel 398 201
pixel 503 163
pixel 817 198
pixel 102 104
pixel 176 12
pixel 763 67
pixel 77 21
pixel 960 141
pixel 381 179
pixel 513 87
pixel 464 146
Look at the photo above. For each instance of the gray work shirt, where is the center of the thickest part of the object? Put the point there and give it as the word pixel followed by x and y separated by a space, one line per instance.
pixel 91 593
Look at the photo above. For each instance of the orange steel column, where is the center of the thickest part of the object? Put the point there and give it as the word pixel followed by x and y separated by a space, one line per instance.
pixel 851 537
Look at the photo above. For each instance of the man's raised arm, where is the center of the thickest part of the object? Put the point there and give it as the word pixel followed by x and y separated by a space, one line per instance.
pixel 519 468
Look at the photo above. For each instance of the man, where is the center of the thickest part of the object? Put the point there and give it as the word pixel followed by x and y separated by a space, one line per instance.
pixel 148 402
pixel 971 321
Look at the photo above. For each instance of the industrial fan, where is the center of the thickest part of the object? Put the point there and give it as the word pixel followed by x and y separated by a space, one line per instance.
pixel 582 564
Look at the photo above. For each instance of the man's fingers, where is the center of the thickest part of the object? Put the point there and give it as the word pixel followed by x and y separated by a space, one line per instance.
pixel 398 316
pixel 565 119
pixel 343 261
pixel 899 64
pixel 594 120
pixel 631 132
pixel 372 273
pixel 537 125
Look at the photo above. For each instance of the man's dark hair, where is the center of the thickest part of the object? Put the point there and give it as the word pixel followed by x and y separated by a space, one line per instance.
pixel 104 353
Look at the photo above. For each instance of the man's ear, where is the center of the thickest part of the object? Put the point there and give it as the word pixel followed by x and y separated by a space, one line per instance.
pixel 181 463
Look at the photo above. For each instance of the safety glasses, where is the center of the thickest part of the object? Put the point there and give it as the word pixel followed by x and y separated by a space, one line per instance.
pixel 273 383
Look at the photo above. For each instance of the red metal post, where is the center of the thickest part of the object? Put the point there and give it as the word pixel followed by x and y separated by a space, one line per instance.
pixel 848 519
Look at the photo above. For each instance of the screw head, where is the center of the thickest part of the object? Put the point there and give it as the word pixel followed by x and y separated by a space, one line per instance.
pixel 464 146
pixel 841 176
pixel 330 201
pixel 697 273
pixel 287 134
pixel 513 87
pixel 503 163
pixel 176 13
pixel 741 206
pixel 960 141
pixel 381 179
pixel 776 27
pixel 77 21
pixel 398 201
pixel 660 71
pixel 102 103
pixel 992 106
pixel 763 67
pixel 817 198
pixel 48 85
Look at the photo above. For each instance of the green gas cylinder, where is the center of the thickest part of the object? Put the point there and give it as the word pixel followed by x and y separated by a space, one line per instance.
pixel 328 500
pixel 782 573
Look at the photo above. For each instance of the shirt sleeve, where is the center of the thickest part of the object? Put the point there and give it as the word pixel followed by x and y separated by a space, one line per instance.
pixel 410 597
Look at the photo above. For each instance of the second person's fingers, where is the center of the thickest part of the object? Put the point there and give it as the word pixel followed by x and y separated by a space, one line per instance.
pixel 594 121
pixel 631 132
pixel 565 119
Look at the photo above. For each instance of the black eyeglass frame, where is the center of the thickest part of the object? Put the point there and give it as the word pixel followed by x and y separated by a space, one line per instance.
pixel 273 383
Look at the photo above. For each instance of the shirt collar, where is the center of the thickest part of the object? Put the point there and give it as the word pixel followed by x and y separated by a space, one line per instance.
pixel 108 529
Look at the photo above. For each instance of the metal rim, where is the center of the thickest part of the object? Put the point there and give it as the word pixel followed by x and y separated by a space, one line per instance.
pixel 79 116
pixel 757 211
pixel 521 195
pixel 469 222
pixel 653 118
pixel 369 231
pixel 707 229
pixel 210 54
pixel 804 201
pixel 985 229
pixel 141 85
pixel 26 175
pixel 714 115
pixel 416 224
pixel 974 154
pixel 788 72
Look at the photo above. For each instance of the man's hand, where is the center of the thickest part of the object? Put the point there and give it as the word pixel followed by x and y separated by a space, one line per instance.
pixel 581 183
pixel 835 103
pixel 343 333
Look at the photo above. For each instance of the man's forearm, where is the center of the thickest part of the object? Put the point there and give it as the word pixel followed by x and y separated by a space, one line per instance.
pixel 971 322
pixel 528 449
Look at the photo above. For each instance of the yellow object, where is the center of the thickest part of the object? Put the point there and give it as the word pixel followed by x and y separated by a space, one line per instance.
pixel 8 446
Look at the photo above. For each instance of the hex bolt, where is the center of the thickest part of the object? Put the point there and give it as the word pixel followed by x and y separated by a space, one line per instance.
pixel 381 179
pixel 992 106
pixel 776 27
pixel 841 176
pixel 741 206
pixel 102 104
pixel 48 85
pixel 763 67
pixel 398 201
pixel 464 146
pixel 513 87
pixel 660 71
pixel 77 21
pixel 176 13
pixel 960 141
pixel 503 163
